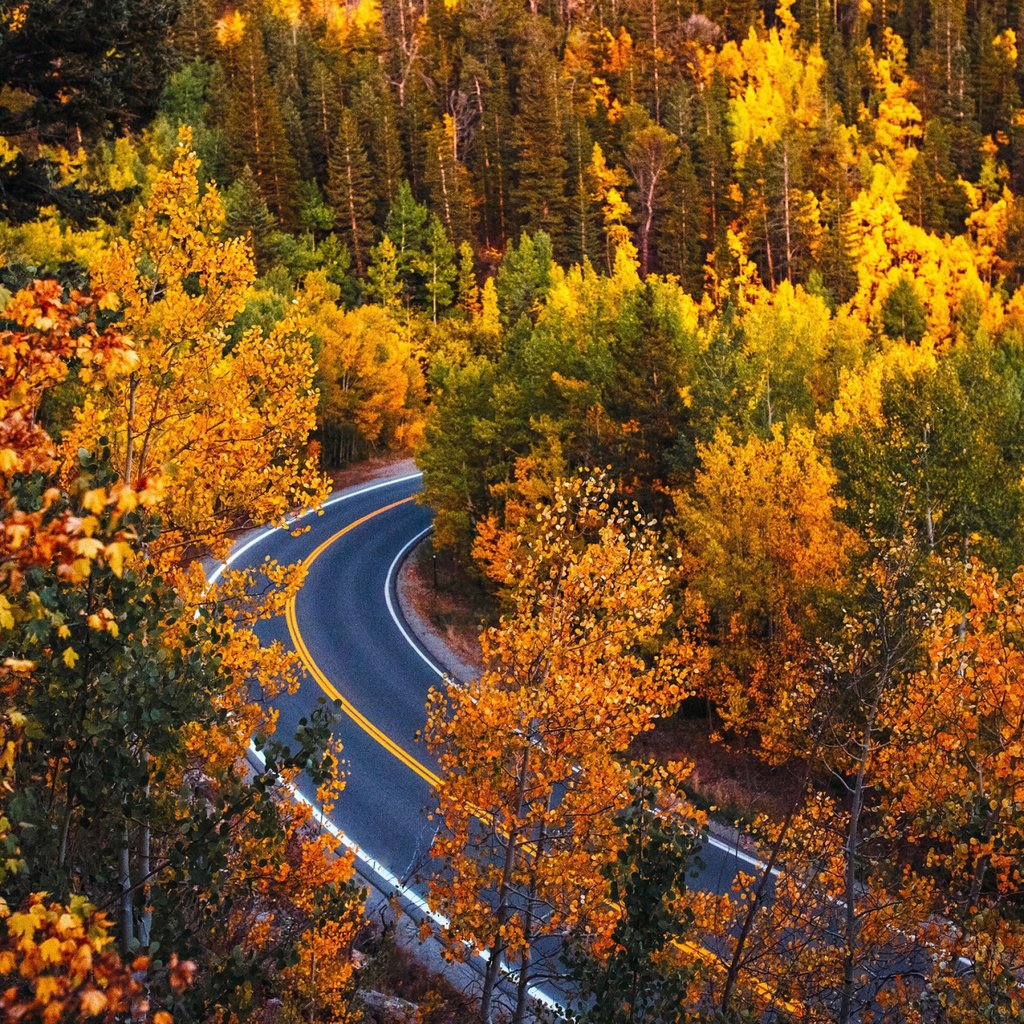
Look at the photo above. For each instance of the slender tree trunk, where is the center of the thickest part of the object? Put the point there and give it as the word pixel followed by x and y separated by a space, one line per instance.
pixel 444 191
pixel 756 903
pixel 145 846
pixel 645 239
pixel 503 912
pixel 352 215
pixel 523 982
pixel 125 882
pixel 501 180
pixel 851 925
pixel 654 47
pixel 129 446
pixel 785 206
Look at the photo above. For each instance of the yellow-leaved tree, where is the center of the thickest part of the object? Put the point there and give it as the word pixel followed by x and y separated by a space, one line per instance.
pixel 215 435
pixel 227 426
pixel 370 379
pixel 763 546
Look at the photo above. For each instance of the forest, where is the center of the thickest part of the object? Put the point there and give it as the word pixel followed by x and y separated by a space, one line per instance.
pixel 704 322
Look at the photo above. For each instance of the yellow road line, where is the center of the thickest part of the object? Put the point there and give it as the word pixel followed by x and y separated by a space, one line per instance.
pixel 700 952
pixel 327 686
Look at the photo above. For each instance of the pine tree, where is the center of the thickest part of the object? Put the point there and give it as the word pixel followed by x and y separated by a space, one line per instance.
pixel 350 187
pixel 582 217
pixel 448 179
pixel 438 268
pixel 539 192
pixel 246 214
pixel 406 227
pixel 486 82
pixel 322 112
pixel 253 123
pixel 377 116
pixel 295 132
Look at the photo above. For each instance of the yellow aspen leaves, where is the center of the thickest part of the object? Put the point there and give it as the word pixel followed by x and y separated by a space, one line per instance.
pixel 223 428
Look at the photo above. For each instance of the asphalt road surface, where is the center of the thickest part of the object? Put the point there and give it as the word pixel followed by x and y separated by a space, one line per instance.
pixel 346 624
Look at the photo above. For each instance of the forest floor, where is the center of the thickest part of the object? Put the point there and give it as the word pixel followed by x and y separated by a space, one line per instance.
pixel 378 468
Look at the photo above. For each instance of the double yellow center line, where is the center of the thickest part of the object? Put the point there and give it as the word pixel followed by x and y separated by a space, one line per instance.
pixel 327 686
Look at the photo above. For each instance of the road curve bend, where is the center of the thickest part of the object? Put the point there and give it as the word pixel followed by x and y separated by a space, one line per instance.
pixel 358 651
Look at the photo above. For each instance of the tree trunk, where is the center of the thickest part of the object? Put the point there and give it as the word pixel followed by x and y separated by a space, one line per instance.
pixel 125 882
pixel 145 845
pixel 851 927
pixel 785 207
pixel 129 446
pixel 503 911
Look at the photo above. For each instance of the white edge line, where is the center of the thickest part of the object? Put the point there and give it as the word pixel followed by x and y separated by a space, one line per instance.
pixel 391 607
pixel 712 840
pixel 733 848
pixel 375 866
pixel 719 844
pixel 391 879
pixel 371 862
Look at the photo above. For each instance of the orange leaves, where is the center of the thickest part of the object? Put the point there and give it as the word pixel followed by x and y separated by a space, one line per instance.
pixel 529 752
pixel 369 372
pixel 56 964
pixel 960 756
pixel 52 331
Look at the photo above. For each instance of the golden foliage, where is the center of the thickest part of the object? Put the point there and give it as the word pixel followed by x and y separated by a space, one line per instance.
pixel 226 427
pixel 529 751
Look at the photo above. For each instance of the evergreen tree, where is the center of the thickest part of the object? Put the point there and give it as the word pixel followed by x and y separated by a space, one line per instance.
pixel 583 232
pixel 541 165
pixel 682 230
pixel 438 268
pixel 247 216
pixel 350 187
pixel 903 314
pixel 448 179
pixel 83 67
pixel 406 227
pixel 486 83
pixel 295 132
pixel 375 112
pixel 254 125
pixel 642 981
pixel 321 113
pixel 524 276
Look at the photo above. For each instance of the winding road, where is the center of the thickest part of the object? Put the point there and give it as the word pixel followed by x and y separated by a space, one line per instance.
pixel 346 625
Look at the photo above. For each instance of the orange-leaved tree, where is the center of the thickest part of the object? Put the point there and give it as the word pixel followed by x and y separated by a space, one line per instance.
pixel 532 753
pixel 953 777
pixel 57 957
pixel 138 696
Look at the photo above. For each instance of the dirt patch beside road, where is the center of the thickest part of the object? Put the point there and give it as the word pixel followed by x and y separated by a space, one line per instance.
pixel 440 609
